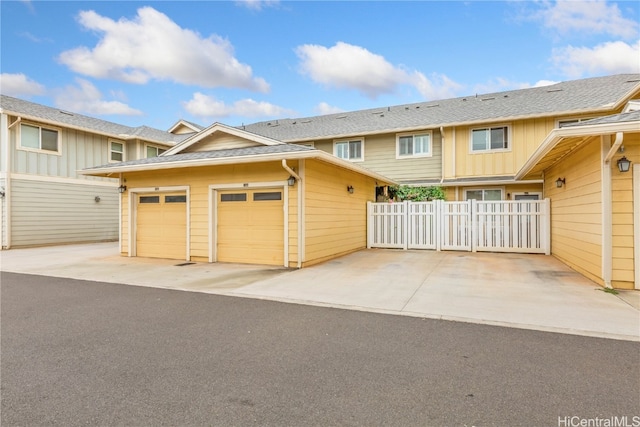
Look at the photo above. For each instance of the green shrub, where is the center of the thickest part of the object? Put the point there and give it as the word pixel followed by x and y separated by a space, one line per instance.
pixel 416 194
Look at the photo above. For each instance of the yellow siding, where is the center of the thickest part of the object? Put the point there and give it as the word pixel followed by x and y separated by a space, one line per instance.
pixel 335 221
pixel 220 142
pixel 576 210
pixel 623 215
pixel 380 156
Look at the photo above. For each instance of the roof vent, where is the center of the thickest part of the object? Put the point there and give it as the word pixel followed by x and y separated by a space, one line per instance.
pixel 377 112
pixel 633 81
pixel 432 105
pixel 554 90
pixel 487 99
pixel 341 117
pixel 66 112
pixel 306 121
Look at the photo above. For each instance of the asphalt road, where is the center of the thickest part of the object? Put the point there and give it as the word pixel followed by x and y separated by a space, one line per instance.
pixel 88 353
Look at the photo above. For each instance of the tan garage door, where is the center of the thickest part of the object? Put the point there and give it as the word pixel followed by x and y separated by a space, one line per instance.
pixel 161 225
pixel 251 226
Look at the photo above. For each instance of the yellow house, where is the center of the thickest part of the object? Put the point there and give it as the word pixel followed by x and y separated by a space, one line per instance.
pixel 227 195
pixel 591 173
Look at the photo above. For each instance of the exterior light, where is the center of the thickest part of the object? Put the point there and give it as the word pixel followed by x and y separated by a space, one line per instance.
pixel 624 164
pixel 291 181
pixel 560 182
pixel 122 189
pixel 350 189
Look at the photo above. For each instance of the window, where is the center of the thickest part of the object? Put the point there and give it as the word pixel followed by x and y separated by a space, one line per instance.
pixel 149 199
pixel 39 138
pixel 175 199
pixel 116 151
pixel 235 197
pixel 418 145
pixel 154 151
pixel 487 139
pixel 259 197
pixel 349 150
pixel 483 194
pixel 563 123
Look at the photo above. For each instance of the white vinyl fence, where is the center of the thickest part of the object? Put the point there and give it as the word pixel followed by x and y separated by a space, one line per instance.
pixel 491 226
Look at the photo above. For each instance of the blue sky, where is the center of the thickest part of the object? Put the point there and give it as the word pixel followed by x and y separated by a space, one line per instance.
pixel 236 62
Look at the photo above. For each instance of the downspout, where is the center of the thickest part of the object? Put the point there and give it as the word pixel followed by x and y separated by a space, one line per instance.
pixel 607 207
pixel 299 180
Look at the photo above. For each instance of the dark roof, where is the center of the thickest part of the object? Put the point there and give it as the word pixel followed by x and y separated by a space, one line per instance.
pixel 56 115
pixel 572 97
pixel 214 154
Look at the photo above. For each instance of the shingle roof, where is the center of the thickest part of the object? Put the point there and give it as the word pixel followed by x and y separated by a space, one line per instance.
pixel 55 115
pixel 572 97
pixel 214 154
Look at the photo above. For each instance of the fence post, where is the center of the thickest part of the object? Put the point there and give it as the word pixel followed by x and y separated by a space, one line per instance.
pixel 546 226
pixel 473 232
pixel 405 220
pixel 438 220
pixel 369 225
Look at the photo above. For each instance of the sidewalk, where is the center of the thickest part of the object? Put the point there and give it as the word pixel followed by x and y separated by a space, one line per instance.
pixel 515 290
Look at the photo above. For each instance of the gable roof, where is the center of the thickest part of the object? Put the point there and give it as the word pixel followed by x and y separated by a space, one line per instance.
pixel 55 116
pixel 260 153
pixel 186 124
pixel 220 128
pixel 560 142
pixel 598 94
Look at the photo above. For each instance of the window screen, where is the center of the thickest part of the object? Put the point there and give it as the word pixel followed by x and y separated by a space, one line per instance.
pixel 175 199
pixel 233 197
pixel 275 195
pixel 149 199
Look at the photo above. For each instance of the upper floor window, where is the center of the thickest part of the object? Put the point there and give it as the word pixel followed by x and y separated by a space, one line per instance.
pixel 488 139
pixel 116 151
pixel 565 122
pixel 483 194
pixel 39 138
pixel 413 145
pixel 349 150
pixel 154 151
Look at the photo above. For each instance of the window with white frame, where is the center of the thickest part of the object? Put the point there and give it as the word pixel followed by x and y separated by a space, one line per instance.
pixel 154 151
pixel 483 194
pixel 489 139
pixel 35 137
pixel 116 151
pixel 349 150
pixel 565 122
pixel 413 145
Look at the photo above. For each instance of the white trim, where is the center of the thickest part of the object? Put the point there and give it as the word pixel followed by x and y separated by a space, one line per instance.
pixel 607 216
pixel 147 145
pixel 429 153
pixel 213 212
pixel 64 180
pixel 58 130
pixel 133 192
pixel 490 150
pixel 636 223
pixel 301 214
pixel 348 140
pixel 5 143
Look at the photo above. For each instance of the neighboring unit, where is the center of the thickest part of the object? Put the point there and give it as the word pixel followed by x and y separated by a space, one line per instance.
pixel 43 200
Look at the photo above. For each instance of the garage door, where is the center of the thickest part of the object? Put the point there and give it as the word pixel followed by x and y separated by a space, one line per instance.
pixel 251 226
pixel 161 225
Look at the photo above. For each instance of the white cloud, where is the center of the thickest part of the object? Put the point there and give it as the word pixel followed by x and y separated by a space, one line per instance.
pixel 606 58
pixel 152 46
pixel 541 83
pixel 324 108
pixel 257 4
pixel 201 105
pixel 590 17
pixel 86 98
pixel 19 85
pixel 499 84
pixel 346 66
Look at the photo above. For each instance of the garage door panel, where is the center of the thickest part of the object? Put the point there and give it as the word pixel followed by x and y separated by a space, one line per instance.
pixel 161 226
pixel 251 226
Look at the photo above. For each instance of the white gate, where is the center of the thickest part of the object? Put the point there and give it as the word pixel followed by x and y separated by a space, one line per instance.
pixel 497 226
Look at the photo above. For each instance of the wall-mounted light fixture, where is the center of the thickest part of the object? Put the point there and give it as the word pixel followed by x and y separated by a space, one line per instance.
pixel 560 182
pixel 624 164
pixel 2 193
pixel 97 199
pixel 291 181
pixel 122 189
pixel 350 189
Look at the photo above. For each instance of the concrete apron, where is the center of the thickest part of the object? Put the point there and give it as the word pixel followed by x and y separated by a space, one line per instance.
pixel 516 290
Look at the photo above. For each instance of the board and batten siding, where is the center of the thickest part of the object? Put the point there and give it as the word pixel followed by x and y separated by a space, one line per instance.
pixel 335 220
pixel 623 272
pixel 52 212
pixel 198 179
pixel 380 157
pixel 576 210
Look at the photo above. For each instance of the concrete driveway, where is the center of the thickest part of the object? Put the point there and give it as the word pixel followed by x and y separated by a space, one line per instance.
pixel 516 290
